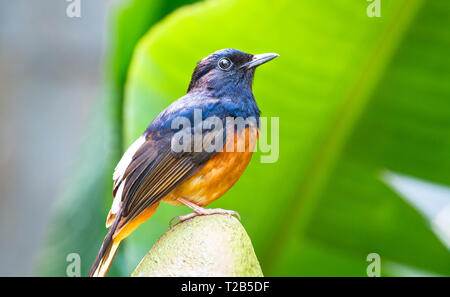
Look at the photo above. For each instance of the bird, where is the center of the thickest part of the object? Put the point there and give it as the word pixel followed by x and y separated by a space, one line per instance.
pixel 151 171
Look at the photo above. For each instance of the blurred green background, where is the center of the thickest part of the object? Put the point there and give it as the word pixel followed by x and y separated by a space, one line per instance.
pixel 364 108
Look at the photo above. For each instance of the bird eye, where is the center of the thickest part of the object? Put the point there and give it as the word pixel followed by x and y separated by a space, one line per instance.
pixel 225 64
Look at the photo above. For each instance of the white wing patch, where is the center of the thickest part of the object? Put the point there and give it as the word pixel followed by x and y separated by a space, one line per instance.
pixel 120 169
pixel 117 199
pixel 127 158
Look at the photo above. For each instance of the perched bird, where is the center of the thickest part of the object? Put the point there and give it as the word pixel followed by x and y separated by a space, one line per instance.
pixel 150 171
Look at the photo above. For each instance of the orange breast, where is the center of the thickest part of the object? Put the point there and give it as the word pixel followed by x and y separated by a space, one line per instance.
pixel 219 174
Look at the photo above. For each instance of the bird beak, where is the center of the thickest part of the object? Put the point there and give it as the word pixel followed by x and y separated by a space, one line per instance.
pixel 260 59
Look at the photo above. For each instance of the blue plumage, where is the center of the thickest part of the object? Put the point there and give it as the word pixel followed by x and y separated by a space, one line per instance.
pixel 214 91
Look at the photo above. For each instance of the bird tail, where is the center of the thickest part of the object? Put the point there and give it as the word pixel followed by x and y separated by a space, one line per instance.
pixel 113 239
pixel 104 259
pixel 107 251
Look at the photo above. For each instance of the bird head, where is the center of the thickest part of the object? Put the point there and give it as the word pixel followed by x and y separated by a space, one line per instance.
pixel 227 70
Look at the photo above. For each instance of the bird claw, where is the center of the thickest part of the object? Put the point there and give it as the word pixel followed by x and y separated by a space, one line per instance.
pixel 181 219
pixel 203 212
pixel 223 211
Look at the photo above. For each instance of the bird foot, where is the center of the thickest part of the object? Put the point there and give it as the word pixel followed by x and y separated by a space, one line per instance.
pixel 203 212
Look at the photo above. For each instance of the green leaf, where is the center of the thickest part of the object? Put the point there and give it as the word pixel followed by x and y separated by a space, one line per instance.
pixel 352 98
pixel 406 129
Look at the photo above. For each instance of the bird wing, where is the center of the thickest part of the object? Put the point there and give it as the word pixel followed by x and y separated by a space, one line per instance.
pixel 147 172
